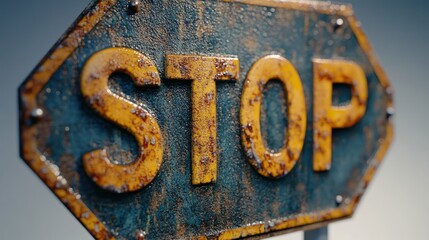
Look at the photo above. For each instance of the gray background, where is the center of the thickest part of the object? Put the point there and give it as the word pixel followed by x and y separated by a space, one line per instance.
pixel 395 206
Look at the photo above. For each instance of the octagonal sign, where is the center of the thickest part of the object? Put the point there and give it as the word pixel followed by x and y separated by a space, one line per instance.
pixel 207 119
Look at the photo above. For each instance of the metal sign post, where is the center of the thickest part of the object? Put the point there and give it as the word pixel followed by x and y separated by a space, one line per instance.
pixel 317 234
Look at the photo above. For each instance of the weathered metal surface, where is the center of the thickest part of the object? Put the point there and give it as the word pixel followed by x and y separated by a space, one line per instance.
pixel 91 137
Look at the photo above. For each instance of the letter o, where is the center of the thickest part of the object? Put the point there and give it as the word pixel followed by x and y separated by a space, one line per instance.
pixel 266 162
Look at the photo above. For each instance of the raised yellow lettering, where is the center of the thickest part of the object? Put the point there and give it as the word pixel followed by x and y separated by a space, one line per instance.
pixel 326 116
pixel 266 162
pixel 133 118
pixel 203 71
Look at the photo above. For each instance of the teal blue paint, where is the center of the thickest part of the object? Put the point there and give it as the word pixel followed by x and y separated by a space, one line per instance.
pixel 240 196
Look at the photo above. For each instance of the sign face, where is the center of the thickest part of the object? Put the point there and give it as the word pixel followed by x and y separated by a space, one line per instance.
pixel 207 119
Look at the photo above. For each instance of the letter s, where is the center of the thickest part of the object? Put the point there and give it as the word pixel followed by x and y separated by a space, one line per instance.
pixel 133 118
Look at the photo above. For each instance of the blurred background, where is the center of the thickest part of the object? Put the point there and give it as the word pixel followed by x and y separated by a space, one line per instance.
pixel 395 206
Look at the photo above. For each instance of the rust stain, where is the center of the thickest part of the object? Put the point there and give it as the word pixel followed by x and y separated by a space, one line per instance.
pixel 250 43
pixel 68 165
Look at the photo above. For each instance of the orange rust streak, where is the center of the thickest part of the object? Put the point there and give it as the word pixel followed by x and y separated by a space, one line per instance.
pixel 267 163
pixel 242 232
pixel 135 119
pixel 203 71
pixel 326 116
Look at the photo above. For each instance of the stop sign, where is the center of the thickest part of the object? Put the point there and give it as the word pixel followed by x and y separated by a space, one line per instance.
pixel 214 119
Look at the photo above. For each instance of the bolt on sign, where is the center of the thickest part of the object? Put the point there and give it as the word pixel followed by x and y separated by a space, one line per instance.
pixel 207 119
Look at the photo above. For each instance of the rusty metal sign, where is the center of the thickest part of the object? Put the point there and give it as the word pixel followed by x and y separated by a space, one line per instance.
pixel 207 119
